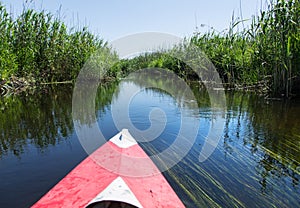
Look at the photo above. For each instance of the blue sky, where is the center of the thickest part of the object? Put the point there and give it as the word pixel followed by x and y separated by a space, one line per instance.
pixel 112 19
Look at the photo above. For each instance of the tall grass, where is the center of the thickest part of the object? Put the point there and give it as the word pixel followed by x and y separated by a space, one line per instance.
pixel 265 55
pixel 229 52
pixel 276 34
pixel 8 63
pixel 269 48
pixel 39 45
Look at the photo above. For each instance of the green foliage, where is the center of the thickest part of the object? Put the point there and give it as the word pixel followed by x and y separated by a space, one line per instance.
pixel 163 59
pixel 8 64
pixel 40 45
pixel 270 48
pixel 228 52
pixel 277 44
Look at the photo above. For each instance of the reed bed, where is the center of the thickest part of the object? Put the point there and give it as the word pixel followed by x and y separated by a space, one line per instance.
pixel 40 46
pixel 269 50
pixel 264 55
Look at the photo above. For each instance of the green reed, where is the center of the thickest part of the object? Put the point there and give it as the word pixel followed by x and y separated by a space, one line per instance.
pixel 7 57
pixel 39 45
pixel 277 43
pixel 267 54
pixel 269 48
pixel 229 52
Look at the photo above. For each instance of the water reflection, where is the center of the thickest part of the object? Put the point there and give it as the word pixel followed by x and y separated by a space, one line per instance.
pixel 266 133
pixel 42 120
pixel 272 132
pixel 256 164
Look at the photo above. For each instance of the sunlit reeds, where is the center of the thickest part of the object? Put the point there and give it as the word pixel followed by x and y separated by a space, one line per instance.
pixel 269 48
pixel 39 45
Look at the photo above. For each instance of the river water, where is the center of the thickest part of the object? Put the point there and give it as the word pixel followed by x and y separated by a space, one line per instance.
pixel 256 162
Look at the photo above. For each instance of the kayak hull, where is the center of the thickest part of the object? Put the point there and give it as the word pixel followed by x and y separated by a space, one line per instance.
pixel 108 174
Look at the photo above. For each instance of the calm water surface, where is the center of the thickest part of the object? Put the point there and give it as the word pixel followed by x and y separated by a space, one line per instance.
pixel 256 162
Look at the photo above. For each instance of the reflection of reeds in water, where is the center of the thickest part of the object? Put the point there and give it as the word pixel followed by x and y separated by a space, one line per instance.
pixel 257 158
pixel 44 118
pixel 40 120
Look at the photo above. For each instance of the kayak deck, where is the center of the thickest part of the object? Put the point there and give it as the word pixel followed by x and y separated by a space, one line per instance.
pixel 118 171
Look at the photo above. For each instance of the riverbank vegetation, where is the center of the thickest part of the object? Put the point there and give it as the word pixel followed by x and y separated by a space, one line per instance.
pixel 269 50
pixel 40 47
pixel 266 55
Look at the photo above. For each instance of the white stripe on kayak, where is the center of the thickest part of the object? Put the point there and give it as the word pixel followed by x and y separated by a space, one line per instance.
pixel 117 191
pixel 123 139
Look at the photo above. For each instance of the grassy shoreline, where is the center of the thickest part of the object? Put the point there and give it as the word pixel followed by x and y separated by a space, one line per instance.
pixel 37 47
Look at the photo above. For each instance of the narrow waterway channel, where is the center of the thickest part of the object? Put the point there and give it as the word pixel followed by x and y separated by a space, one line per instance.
pixel 256 162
